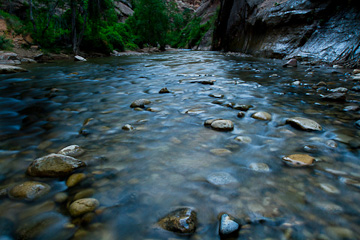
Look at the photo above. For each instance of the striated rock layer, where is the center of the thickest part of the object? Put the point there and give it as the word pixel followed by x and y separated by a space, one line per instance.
pixel 308 30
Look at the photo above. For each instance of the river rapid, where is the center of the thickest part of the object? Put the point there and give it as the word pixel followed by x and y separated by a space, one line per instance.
pixel 170 159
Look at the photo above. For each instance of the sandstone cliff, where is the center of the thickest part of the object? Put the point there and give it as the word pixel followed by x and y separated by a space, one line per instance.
pixel 317 30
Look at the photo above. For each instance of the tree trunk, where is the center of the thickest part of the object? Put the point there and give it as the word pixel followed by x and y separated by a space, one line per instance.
pixel 32 17
pixel 73 27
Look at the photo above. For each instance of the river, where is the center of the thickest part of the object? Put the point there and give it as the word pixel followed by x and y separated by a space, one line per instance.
pixel 171 159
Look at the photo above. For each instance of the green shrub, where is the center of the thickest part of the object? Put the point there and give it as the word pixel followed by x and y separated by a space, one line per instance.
pixel 5 44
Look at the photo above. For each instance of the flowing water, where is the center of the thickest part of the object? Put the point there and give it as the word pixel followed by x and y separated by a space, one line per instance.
pixel 171 159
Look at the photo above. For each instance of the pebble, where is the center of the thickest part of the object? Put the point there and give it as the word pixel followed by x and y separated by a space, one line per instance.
pixel 227 225
pixel 242 107
pixel 222 125
pixel 164 90
pixel 79 58
pixel 140 103
pixel 241 114
pixel 216 95
pixel 243 139
pixel 299 160
pixel 304 124
pixel 29 191
pixel 221 178
pixel 82 206
pixel 220 151
pixel 72 151
pixel 74 179
pixel 127 127
pixel 60 197
pixel 259 167
pixel 86 193
pixel 182 220
pixel 54 165
pixel 264 116
pixel 329 188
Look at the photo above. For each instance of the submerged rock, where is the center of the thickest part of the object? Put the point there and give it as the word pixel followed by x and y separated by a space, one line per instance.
pixel 127 127
pixel 221 178
pixel 82 206
pixel 75 179
pixel 299 160
pixel 72 151
pixel 242 107
pixel 222 125
pixel 259 167
pixel 264 116
pixel 140 103
pixel 304 124
pixel 29 190
pixel 183 220
pixel 54 165
pixel 227 225
pixel 337 96
pixel 243 139
pixel 6 69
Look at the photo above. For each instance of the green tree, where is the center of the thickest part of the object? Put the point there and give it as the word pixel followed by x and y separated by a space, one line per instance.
pixel 150 22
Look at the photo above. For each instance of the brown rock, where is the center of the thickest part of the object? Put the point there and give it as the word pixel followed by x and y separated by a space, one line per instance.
pixel 264 116
pixel 29 190
pixel 82 206
pixel 299 160
pixel 304 124
pixel 222 125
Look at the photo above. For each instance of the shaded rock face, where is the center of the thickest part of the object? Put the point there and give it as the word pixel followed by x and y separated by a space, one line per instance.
pixel 318 30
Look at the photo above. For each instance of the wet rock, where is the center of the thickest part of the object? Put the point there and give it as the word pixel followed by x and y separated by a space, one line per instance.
pixel 29 190
pixel 331 144
pixel 242 107
pixel 60 197
pixel 357 124
pixel 339 90
pixel 228 226
pixel 216 95
pixel 72 151
pixel 264 116
pixel 241 114
pixel 356 88
pixel 82 206
pixel 28 60
pixel 341 232
pixel 356 71
pixel 79 58
pixel 243 139
pixel 296 83
pixel 222 125
pixel 329 188
pixel 304 124
pixel 351 108
pixel 86 193
pixel 204 82
pixel 259 167
pixel 140 103
pixel 48 225
pixel 164 90
pixel 74 179
pixel 183 220
pixel 127 127
pixel 221 178
pixel 338 96
pixel 54 165
pixel 6 69
pixel 220 151
pixel 291 63
pixel 208 122
pixel 299 160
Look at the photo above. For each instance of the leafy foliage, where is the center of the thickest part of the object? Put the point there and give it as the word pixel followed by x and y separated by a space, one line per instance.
pixel 5 44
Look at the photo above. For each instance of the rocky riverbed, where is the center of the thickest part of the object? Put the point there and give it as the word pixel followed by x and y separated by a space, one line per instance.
pixel 184 144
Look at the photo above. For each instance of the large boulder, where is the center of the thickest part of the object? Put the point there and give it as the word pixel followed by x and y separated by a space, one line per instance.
pixel 54 165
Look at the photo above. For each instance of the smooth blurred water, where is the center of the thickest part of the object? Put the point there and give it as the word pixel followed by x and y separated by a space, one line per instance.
pixel 139 176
